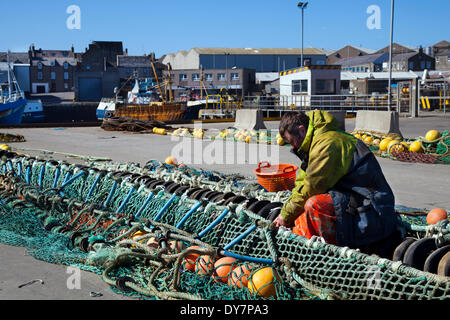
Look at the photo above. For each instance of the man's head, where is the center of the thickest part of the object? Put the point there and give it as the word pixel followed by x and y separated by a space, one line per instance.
pixel 293 128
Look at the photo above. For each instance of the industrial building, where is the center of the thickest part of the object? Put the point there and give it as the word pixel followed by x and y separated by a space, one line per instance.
pixel 261 60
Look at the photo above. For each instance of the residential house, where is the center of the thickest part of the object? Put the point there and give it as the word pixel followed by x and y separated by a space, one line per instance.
pixel 397 49
pixel 347 52
pixel 443 61
pixel 365 63
pixel 51 70
pixel 412 61
pixel 440 47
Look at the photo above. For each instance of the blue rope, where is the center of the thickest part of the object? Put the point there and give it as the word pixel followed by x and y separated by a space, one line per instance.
pixel 125 201
pixel 239 238
pixel 166 206
pixel 41 175
pixel 111 193
pixel 214 223
pixel 141 209
pixel 187 215
pixel 27 178
pixel 93 186
pixel 246 258
pixel 58 171
pixel 78 175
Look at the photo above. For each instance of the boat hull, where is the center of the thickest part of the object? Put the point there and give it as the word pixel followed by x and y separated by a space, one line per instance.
pixel 163 112
pixel 12 112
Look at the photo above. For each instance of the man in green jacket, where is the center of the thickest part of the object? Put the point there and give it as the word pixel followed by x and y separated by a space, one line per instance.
pixel 340 191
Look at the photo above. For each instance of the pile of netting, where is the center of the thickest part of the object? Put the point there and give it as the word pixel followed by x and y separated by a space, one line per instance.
pixel 9 137
pixel 158 239
pixel 419 149
pixel 132 125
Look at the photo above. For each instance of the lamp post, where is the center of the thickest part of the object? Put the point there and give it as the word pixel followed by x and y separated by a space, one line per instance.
pixel 302 5
pixel 390 56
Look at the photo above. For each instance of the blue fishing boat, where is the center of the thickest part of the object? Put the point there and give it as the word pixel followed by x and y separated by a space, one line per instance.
pixel 34 112
pixel 12 100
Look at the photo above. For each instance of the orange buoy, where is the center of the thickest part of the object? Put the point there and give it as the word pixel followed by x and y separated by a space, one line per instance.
pixel 239 276
pixel 190 259
pixel 222 269
pixel 263 282
pixel 204 265
pixel 435 215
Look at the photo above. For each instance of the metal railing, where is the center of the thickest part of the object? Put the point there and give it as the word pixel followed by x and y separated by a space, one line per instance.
pixel 7 98
pixel 349 103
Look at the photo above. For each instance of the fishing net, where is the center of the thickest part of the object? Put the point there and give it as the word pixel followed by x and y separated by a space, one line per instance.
pixel 436 151
pixel 140 239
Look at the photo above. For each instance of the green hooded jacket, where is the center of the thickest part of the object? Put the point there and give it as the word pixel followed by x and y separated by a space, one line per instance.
pixel 329 153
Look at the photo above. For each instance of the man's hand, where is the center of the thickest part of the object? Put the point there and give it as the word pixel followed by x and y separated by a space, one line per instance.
pixel 280 222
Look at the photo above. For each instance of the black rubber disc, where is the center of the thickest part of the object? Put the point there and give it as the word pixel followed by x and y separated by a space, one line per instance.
pixel 432 262
pixel 258 205
pixel 399 252
pixel 444 266
pixel 249 202
pixel 274 214
pixel 265 211
pixel 418 252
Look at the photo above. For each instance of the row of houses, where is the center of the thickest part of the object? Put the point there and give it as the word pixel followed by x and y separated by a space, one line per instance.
pixel 106 66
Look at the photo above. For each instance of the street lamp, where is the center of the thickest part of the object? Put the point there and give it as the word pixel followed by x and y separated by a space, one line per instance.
pixel 302 5
pixel 390 56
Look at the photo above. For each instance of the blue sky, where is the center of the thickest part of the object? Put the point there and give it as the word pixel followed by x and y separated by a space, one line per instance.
pixel 169 26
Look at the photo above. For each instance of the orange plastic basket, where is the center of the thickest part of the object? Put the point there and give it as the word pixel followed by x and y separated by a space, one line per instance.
pixel 277 177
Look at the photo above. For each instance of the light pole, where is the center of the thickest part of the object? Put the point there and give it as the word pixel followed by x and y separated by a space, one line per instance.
pixel 302 5
pixel 390 56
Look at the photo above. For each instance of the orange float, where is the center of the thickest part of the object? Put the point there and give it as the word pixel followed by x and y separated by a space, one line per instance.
pixel 239 276
pixel 222 269
pixel 435 215
pixel 263 282
pixel 204 265
pixel 190 259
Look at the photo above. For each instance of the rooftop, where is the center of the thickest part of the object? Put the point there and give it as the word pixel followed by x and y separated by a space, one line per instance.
pixel 258 51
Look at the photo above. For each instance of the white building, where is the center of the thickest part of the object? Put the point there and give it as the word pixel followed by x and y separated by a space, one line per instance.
pixel 298 85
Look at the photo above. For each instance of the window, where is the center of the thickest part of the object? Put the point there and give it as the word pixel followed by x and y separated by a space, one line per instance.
pixel 209 77
pixel 88 67
pixel 326 86
pixel 40 76
pixel 428 64
pixel 448 58
pixel 195 77
pixel 183 77
pixel 221 77
pixel 66 86
pixel 320 62
pixel 235 76
pixel 422 64
pixel 66 76
pixel 299 86
pixel 39 66
pixel 411 65
pixel 66 66
pixel 52 63
pixel 53 75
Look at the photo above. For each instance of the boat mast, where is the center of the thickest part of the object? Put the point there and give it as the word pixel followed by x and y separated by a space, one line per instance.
pixel 9 78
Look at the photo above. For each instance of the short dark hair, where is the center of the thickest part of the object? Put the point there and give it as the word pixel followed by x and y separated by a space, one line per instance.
pixel 291 121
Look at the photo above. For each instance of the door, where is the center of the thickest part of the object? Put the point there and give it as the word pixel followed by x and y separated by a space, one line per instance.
pixel 90 89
